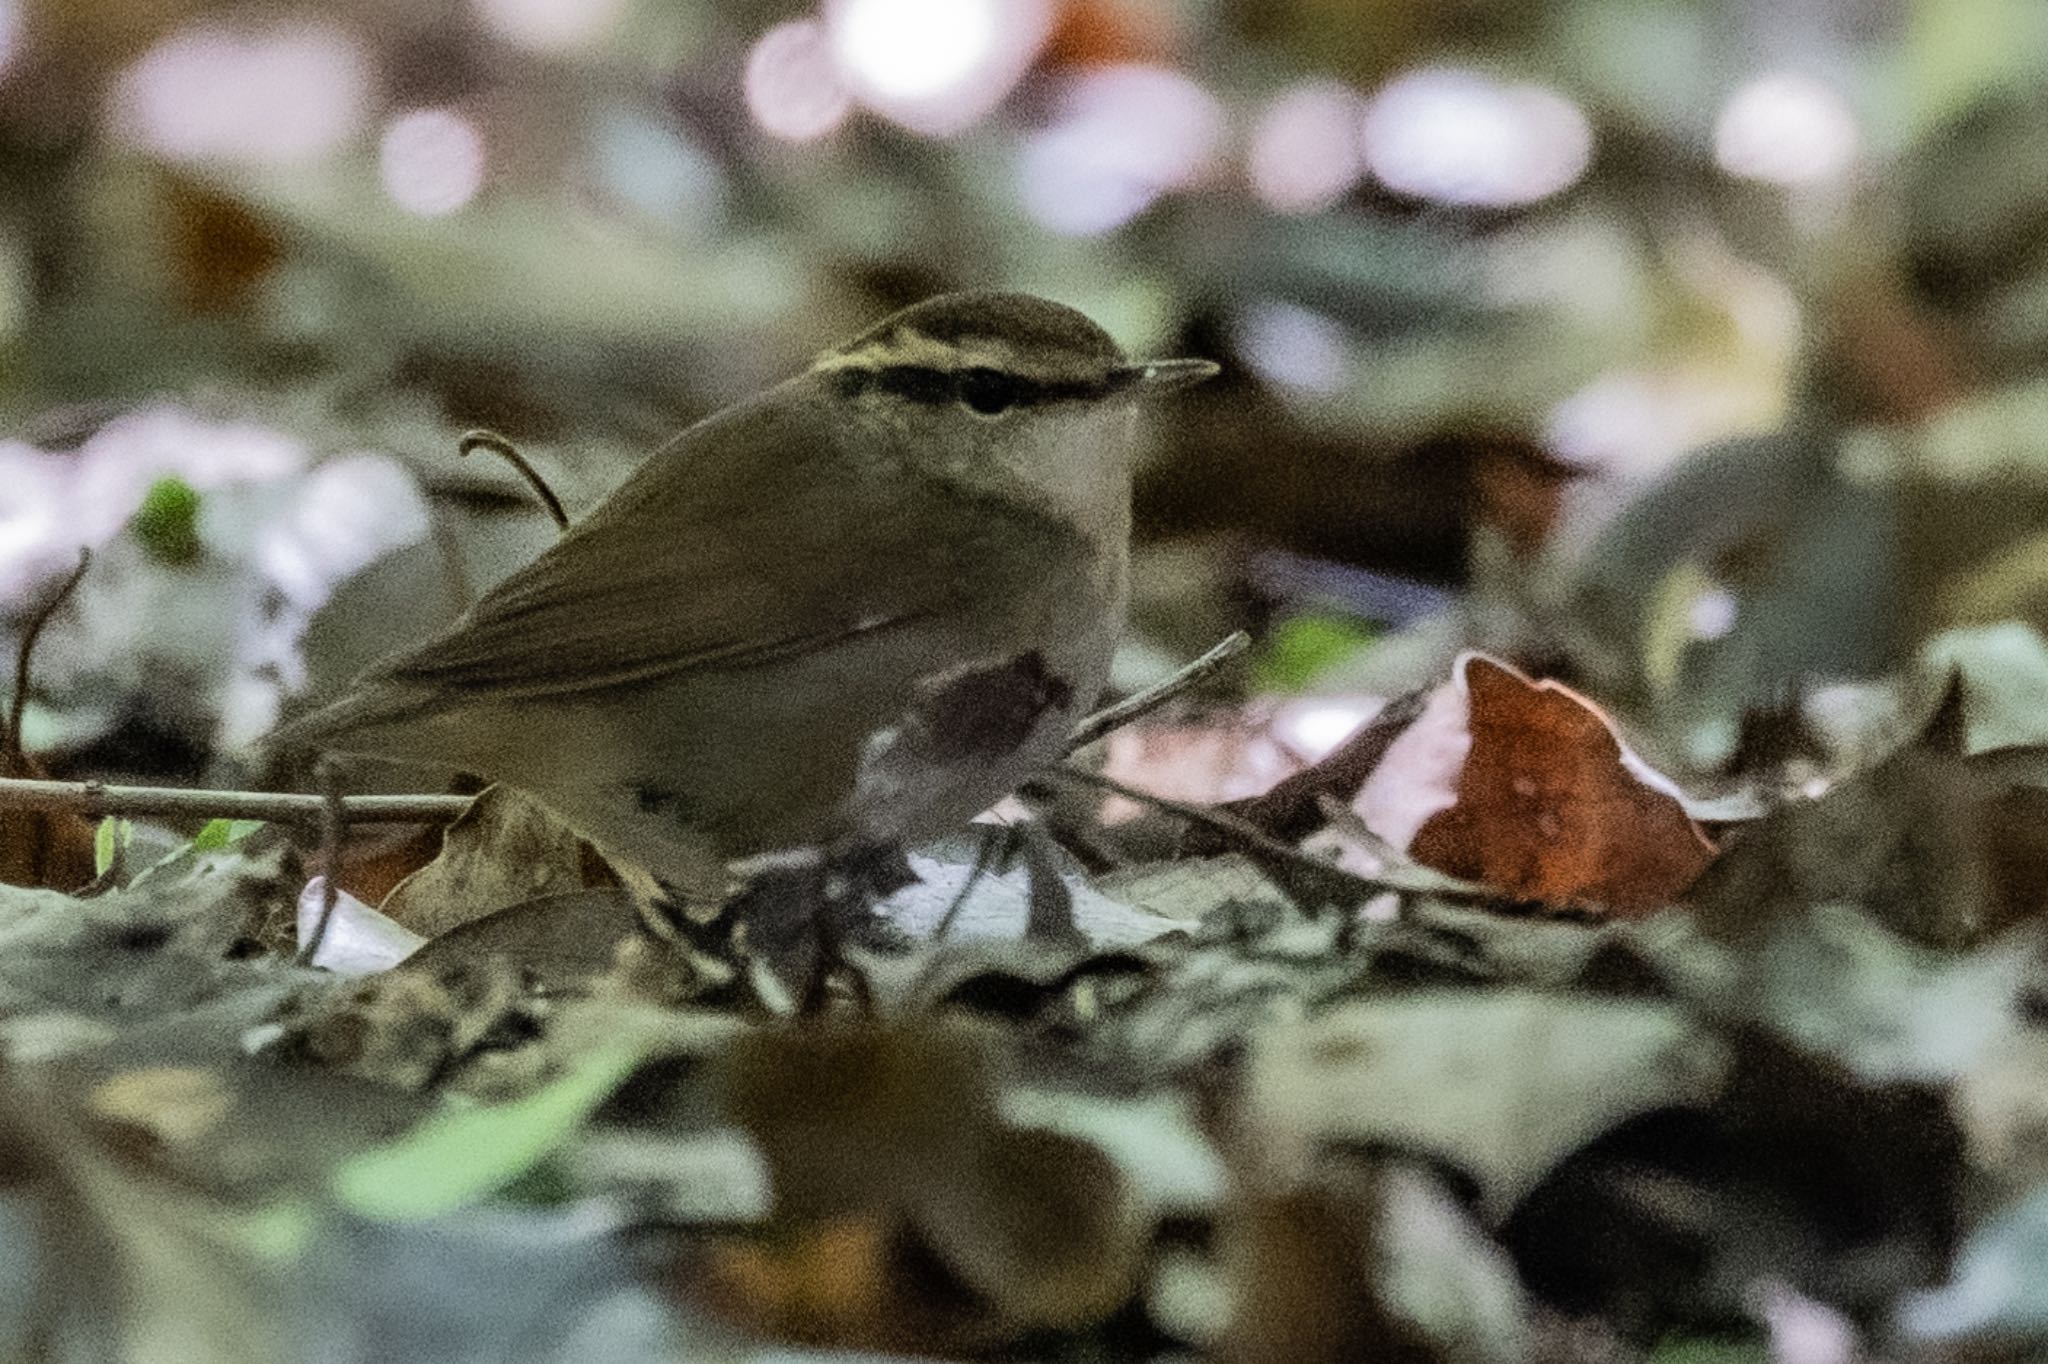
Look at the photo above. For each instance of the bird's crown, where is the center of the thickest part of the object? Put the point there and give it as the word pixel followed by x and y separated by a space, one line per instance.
pixel 990 350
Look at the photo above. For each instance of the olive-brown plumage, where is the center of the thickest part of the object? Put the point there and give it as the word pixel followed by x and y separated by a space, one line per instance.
pixel 860 605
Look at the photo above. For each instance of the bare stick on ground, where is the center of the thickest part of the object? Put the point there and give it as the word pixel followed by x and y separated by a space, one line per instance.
pixel 95 799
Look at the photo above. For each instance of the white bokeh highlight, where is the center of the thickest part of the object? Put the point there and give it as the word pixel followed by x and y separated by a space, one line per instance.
pixel 431 161
pixel 792 84
pixel 286 94
pixel 1121 136
pixel 1467 139
pixel 1307 147
pixel 934 66
pixel 36 536
pixel 915 49
pixel 1315 728
pixel 1294 347
pixel 1786 129
pixel 652 166
pixel 1713 613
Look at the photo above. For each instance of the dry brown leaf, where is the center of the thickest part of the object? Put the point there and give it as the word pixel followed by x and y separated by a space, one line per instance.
pixel 221 250
pixel 831 1284
pixel 1545 801
pixel 375 858
pixel 890 1137
pixel 1103 33
pixel 505 850
pixel 1367 1261
pixel 1300 1260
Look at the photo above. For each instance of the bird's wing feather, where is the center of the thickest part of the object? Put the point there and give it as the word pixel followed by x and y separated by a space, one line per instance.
pixel 744 541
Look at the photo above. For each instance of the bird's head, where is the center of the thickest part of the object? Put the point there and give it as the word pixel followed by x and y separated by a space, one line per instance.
pixel 1007 384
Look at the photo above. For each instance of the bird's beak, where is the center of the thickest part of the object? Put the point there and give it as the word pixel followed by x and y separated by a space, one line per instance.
pixel 1160 376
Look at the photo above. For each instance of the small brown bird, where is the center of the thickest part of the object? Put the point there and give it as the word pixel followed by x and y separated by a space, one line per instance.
pixel 856 608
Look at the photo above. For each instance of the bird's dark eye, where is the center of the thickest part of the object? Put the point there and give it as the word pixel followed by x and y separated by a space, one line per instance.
pixel 988 391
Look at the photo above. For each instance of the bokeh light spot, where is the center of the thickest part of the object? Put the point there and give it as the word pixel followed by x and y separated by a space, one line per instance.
pixel 1464 138
pixel 1614 420
pixel 1786 129
pixel 1314 729
pixel 935 66
pixel 286 94
pixel 431 161
pixel 1306 149
pixel 10 32
pixel 1635 423
pixel 914 49
pixel 1712 614
pixel 652 166
pixel 550 25
pixel 35 534
pixel 1293 346
pixel 1121 137
pixel 792 83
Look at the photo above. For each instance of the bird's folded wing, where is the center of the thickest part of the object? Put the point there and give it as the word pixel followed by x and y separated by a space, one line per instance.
pixel 754 538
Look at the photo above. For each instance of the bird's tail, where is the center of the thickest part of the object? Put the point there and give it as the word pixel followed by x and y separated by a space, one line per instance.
pixel 369 719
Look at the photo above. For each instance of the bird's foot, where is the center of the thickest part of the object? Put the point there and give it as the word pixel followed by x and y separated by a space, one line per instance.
pixel 800 912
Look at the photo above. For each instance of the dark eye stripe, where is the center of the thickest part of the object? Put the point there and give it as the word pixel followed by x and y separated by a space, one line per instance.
pixel 918 383
pixel 935 387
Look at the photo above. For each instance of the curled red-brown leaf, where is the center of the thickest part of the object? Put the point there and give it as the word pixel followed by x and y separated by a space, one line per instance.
pixel 1539 797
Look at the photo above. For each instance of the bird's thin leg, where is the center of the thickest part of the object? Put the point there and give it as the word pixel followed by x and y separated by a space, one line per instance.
pixel 1049 913
pixel 998 846
pixel 850 880
pixel 826 942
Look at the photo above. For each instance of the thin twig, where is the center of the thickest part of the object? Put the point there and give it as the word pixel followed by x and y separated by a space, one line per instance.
pixel 10 745
pixel 1271 850
pixel 94 800
pixel 506 450
pixel 333 824
pixel 1152 698
pixel 1291 807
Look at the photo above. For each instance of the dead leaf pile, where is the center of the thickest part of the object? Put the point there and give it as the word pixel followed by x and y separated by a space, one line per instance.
pixel 1537 1069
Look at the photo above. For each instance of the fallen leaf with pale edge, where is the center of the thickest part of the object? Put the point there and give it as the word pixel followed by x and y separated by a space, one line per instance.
pixel 1551 805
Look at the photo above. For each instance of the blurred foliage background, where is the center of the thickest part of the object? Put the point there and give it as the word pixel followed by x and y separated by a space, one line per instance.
pixel 1688 350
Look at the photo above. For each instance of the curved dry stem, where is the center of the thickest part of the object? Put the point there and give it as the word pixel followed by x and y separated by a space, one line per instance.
pixel 507 451
pixel 10 744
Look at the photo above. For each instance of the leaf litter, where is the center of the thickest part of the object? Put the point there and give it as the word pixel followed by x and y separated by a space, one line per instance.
pixel 1573 1077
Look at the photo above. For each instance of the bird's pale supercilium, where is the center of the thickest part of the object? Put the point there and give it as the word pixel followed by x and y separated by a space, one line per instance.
pixel 859 606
